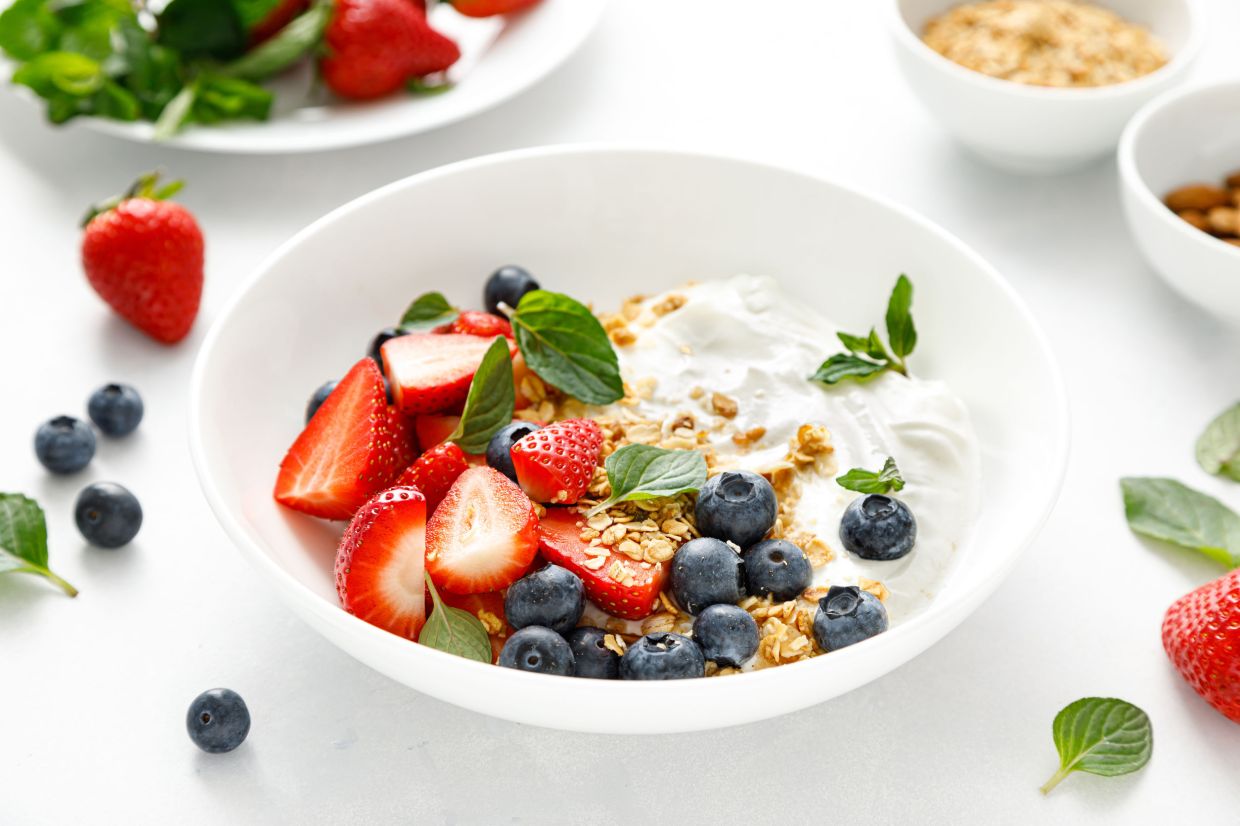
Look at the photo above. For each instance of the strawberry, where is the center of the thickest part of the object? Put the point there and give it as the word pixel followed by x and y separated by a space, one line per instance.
pixel 380 563
pixel 144 256
pixel 483 536
pixel 431 373
pixel 1201 634
pixel 280 15
pixel 434 430
pixel 376 46
pixel 489 8
pixel 634 595
pixel 555 464
pixel 474 323
pixel 354 447
pixel 434 472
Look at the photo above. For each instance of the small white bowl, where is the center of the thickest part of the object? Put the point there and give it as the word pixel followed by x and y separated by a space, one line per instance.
pixel 603 224
pixel 1183 137
pixel 1036 129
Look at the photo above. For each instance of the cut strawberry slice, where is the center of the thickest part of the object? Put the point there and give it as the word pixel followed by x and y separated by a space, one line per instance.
pixel 353 448
pixel 434 472
pixel 483 536
pixel 431 373
pixel 434 430
pixel 474 323
pixel 621 586
pixel 381 563
pixel 556 463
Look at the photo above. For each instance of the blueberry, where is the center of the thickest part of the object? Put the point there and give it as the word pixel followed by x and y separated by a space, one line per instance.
pixel 507 284
pixel 552 597
pixel 707 572
pixel 107 514
pixel 847 615
pixel 381 338
pixel 778 569
pixel 116 409
pixel 218 720
pixel 64 444
pixel 878 527
pixel 662 657
pixel 726 634
pixel 736 506
pixel 538 649
pixel 320 396
pixel 592 657
pixel 499 450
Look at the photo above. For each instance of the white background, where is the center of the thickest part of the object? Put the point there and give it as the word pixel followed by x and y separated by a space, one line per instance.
pixel 93 691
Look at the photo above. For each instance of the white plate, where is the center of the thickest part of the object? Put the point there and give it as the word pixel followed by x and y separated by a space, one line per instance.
pixel 603 223
pixel 501 57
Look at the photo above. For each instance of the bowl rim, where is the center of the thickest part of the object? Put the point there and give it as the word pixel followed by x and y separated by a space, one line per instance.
pixel 943 616
pixel 1134 181
pixel 1181 61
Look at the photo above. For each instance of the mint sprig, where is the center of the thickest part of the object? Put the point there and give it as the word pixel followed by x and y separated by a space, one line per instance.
pixel 867 481
pixel 867 355
pixel 428 311
pixel 1169 511
pixel 567 347
pixel 23 540
pixel 649 472
pixel 454 631
pixel 1100 735
pixel 491 400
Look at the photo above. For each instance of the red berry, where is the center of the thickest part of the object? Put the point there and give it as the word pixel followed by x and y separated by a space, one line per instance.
pixel 1201 634
pixel 434 472
pixel 474 323
pixel 433 430
pixel 431 373
pixel 376 46
pixel 556 463
pixel 488 8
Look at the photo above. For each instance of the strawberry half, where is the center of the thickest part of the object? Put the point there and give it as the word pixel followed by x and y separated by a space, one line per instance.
pixel 1201 634
pixel 556 463
pixel 353 448
pixel 483 536
pixel 431 373
pixel 381 560
pixel 434 430
pixel 435 471
pixel 634 595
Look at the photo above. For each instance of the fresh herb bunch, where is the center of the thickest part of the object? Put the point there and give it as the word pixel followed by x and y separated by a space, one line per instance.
pixel 867 355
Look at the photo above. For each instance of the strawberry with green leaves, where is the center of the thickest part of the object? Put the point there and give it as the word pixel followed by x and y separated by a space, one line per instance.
pixel 375 47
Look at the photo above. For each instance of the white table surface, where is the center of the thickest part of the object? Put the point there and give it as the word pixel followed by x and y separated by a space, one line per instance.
pixel 93 691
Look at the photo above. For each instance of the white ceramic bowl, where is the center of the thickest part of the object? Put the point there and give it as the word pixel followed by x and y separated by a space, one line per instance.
pixel 603 224
pixel 1031 129
pixel 1185 136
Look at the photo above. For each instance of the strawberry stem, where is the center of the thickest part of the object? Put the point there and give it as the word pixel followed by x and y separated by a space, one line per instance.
pixel 147 186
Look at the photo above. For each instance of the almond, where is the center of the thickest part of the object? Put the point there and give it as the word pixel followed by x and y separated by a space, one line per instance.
pixel 1224 220
pixel 1197 196
pixel 1197 218
pixel 1233 180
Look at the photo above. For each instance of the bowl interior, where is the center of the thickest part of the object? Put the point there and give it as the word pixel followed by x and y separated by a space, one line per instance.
pixel 1194 137
pixel 602 225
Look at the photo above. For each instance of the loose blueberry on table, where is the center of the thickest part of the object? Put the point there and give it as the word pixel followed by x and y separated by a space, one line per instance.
pixel 108 515
pixel 64 444
pixel 218 720
pixel 116 409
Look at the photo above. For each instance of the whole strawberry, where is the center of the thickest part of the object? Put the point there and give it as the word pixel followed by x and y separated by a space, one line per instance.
pixel 143 254
pixel 374 47
pixel 1201 634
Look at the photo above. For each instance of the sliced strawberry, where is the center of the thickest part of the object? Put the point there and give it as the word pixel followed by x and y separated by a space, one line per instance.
pixel 431 373
pixel 474 323
pixel 434 472
pixel 629 591
pixel 434 430
pixel 483 606
pixel 556 463
pixel 353 448
pixel 483 536
pixel 381 562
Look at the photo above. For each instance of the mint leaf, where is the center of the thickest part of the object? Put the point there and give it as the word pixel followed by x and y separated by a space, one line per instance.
pixel 490 402
pixel 300 37
pixel 648 472
pixel 870 345
pixel 427 311
pixel 900 330
pixel 846 366
pixel 202 28
pixel 1218 449
pixel 28 28
pixel 454 631
pixel 89 25
pixel 867 355
pixel 73 84
pixel 1102 736
pixel 23 539
pixel 567 347
pixel 1167 510
pixel 867 481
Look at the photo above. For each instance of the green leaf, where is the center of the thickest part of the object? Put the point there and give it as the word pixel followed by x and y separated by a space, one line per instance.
pixel 296 40
pixel 90 25
pixel 176 114
pixel 1167 510
pixel 455 631
pixel 846 366
pixel 28 28
pixel 647 472
pixel 23 539
pixel 203 28
pixel 900 330
pixel 61 74
pixel 490 402
pixel 870 345
pixel 151 71
pixel 219 98
pixel 1218 449
pixel 567 347
pixel 419 86
pixel 253 12
pixel 867 481
pixel 428 311
pixel 1100 735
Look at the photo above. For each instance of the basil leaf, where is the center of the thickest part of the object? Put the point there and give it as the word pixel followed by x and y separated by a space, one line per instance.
pixel 300 37
pixel 455 631
pixel 489 405
pixel 846 366
pixel 1100 735
pixel 1167 510
pixel 867 481
pixel 427 311
pixel 900 330
pixel 203 28
pixel 23 539
pixel 1218 449
pixel 648 472
pixel 567 347
pixel 28 29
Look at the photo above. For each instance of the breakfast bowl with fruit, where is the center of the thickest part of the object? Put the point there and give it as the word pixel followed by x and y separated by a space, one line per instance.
pixel 720 460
